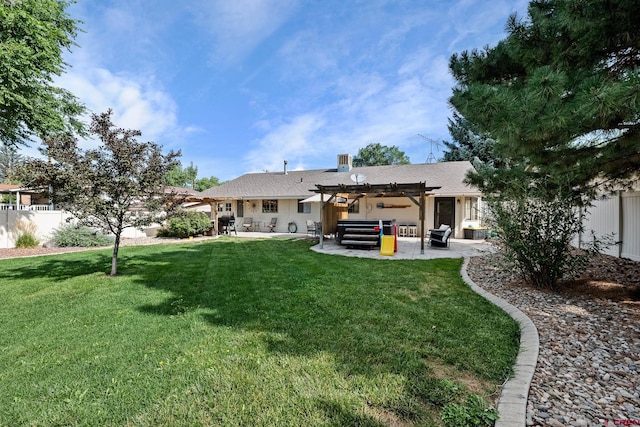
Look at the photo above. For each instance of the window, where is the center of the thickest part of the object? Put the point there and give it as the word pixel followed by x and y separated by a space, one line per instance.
pixel 224 207
pixel 471 209
pixel 269 206
pixel 304 207
pixel 354 207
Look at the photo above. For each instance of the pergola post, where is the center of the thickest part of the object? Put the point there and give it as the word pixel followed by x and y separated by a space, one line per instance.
pixel 422 215
pixel 321 220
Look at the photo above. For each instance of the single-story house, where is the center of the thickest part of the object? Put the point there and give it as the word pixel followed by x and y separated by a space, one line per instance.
pixel 288 196
pixel 14 197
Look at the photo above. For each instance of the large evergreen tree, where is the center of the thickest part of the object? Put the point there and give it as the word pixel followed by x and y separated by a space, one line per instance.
pixel 562 91
pixel 560 97
pixel 468 144
pixel 33 36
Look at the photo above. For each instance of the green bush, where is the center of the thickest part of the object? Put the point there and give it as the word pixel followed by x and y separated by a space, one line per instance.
pixel 186 223
pixel 26 235
pixel 537 229
pixel 79 236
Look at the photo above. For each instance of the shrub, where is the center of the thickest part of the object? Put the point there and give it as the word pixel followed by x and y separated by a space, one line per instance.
pixel 536 227
pixel 79 236
pixel 26 235
pixel 186 223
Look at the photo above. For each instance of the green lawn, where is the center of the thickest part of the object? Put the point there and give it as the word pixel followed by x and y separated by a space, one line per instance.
pixel 243 332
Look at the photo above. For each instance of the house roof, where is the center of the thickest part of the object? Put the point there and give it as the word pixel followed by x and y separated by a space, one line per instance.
pixel 448 176
pixel 181 191
pixel 12 188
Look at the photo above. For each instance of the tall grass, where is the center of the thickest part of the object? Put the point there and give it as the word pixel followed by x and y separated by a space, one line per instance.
pixel 243 332
pixel 25 232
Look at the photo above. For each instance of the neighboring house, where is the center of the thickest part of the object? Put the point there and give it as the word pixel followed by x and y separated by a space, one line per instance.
pixel 263 196
pixel 14 197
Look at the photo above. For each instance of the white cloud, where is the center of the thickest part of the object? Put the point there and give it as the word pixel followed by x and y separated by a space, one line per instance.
pixel 137 103
pixel 290 141
pixel 371 109
pixel 470 18
pixel 239 26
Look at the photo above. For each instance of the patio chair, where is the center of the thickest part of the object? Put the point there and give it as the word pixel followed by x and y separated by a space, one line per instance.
pixel 247 224
pixel 311 227
pixel 272 225
pixel 440 237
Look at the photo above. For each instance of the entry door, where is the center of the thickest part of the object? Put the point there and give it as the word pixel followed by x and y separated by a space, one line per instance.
pixel 445 212
pixel 240 208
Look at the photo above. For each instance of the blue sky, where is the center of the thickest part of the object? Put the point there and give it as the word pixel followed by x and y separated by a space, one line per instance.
pixel 242 85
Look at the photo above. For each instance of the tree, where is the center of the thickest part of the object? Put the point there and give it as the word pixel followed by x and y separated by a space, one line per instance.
pixel 376 155
pixel 115 186
pixel 10 161
pixel 562 90
pixel 468 144
pixel 560 97
pixel 187 177
pixel 33 35
pixel 206 183
pixel 179 177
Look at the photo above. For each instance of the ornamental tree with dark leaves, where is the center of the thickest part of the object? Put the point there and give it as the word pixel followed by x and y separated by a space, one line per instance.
pixel 112 187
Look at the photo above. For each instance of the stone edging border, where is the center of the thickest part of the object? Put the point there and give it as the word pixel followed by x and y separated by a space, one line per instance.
pixel 512 405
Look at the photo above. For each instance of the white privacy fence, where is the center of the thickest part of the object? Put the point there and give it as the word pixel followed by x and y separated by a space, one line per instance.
pixel 45 222
pixel 617 216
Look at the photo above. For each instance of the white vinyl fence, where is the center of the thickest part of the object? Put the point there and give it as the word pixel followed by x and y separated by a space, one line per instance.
pixel 617 216
pixel 46 221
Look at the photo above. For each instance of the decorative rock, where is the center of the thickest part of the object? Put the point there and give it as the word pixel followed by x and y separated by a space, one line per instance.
pixel 589 358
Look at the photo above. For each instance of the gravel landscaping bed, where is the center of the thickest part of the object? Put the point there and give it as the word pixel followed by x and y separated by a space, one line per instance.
pixel 588 371
pixel 17 253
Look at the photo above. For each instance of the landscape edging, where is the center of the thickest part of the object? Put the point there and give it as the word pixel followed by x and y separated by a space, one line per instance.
pixel 512 404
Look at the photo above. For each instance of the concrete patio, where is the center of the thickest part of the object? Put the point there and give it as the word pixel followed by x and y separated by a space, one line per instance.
pixel 408 247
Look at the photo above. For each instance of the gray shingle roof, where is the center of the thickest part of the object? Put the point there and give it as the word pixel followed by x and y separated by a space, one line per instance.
pixel 299 184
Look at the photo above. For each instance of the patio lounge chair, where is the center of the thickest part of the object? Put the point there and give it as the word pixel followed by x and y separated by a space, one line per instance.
pixel 311 227
pixel 272 225
pixel 247 224
pixel 439 237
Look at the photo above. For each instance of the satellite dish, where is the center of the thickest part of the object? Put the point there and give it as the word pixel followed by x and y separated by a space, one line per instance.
pixel 358 178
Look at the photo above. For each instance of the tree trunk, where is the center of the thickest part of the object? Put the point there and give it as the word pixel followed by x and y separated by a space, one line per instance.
pixel 114 257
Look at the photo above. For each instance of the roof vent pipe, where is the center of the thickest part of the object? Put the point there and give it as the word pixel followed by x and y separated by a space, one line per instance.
pixel 285 167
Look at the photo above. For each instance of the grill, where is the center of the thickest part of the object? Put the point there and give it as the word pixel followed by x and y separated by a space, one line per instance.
pixel 227 224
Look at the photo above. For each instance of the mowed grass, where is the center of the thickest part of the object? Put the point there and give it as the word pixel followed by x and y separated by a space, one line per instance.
pixel 242 332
